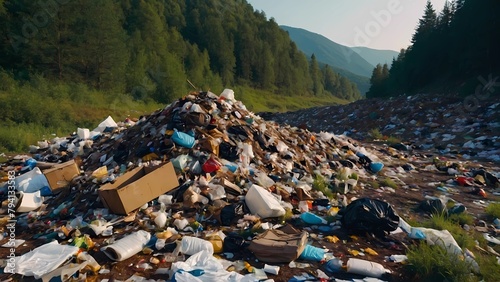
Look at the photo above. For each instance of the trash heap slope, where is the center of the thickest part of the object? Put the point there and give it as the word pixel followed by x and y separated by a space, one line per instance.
pixel 205 176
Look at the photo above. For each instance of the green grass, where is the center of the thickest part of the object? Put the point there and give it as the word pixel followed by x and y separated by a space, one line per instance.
pixel 441 222
pixel 393 140
pixel 493 210
pixel 257 100
pixel 462 218
pixel 490 270
pixel 42 109
pixel 375 134
pixel 374 184
pixel 389 183
pixel 433 263
pixel 321 185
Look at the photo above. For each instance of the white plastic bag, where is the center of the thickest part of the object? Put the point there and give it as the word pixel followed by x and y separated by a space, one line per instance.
pixel 367 268
pixel 228 94
pixel 44 259
pixel 192 245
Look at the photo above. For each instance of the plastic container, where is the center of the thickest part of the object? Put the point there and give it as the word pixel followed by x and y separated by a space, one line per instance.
pixel 128 246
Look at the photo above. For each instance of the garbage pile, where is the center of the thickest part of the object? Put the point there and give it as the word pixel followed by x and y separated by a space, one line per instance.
pixel 205 189
pixel 447 125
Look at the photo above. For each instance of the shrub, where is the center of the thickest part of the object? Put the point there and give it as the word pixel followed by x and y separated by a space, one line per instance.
pixel 493 210
pixel 375 134
pixel 433 263
pixel 321 185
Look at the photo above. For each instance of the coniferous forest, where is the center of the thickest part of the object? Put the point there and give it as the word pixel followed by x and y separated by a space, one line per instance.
pixel 452 51
pixel 148 49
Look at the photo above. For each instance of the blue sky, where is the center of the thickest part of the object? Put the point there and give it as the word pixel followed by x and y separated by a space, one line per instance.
pixel 378 24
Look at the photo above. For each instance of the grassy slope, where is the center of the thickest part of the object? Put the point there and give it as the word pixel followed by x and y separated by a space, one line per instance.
pixel 38 112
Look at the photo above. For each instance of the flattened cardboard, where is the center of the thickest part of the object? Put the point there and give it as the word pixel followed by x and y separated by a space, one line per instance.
pixel 230 187
pixel 60 175
pixel 137 187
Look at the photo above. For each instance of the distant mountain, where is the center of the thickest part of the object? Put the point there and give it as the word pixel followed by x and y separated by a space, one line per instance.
pixel 374 56
pixel 329 52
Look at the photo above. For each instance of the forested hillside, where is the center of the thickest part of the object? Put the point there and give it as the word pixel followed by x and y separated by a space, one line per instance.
pixel 455 50
pixel 149 48
pixel 69 63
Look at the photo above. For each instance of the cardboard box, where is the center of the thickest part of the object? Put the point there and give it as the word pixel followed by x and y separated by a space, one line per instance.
pixel 137 187
pixel 60 175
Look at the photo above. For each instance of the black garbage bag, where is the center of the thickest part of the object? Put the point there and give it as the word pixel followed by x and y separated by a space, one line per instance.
pixel 234 243
pixel 369 216
pixel 231 212
pixel 433 206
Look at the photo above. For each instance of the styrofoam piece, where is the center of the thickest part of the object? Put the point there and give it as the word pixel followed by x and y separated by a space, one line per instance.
pixel 29 201
pixel 83 133
pixel 273 269
pixel 108 122
pixel 262 203
pixel 128 246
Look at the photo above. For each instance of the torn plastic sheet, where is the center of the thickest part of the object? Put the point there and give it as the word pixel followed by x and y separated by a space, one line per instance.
pixel 44 259
pixel 203 266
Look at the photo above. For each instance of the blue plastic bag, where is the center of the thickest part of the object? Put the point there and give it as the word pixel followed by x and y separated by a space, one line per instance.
pixel 312 253
pixel 183 139
pixel 311 218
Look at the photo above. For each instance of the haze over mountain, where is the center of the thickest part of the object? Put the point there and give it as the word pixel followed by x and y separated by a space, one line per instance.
pixel 355 63
pixel 329 52
pixel 374 56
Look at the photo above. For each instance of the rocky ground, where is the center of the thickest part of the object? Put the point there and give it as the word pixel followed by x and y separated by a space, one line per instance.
pixel 430 147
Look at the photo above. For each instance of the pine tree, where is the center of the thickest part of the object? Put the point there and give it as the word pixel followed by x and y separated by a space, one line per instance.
pixel 425 25
pixel 315 72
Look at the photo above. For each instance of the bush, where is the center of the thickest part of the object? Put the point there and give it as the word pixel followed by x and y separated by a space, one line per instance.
pixel 375 134
pixel 321 185
pixel 433 263
pixel 493 210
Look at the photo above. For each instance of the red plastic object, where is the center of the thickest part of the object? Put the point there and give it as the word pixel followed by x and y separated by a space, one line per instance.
pixel 211 165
